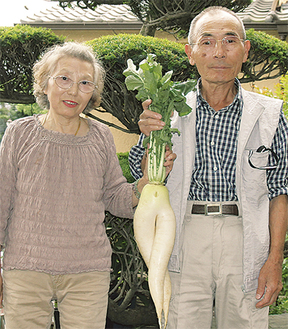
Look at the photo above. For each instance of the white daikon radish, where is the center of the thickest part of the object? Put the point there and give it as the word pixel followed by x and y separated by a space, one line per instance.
pixel 154 229
pixel 154 219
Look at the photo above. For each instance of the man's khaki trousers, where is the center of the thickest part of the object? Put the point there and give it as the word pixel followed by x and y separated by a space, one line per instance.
pixel 211 270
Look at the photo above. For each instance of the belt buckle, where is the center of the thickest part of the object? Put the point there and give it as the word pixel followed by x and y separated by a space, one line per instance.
pixel 213 205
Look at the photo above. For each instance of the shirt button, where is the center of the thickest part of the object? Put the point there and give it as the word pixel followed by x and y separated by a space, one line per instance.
pixel 212 143
pixel 215 168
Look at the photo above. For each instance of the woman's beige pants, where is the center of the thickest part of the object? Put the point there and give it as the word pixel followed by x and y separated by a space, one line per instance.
pixel 82 299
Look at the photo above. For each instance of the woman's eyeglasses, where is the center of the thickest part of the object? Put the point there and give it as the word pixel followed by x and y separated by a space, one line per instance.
pixel 64 82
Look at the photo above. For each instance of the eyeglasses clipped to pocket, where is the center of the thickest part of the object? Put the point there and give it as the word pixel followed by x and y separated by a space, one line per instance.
pixel 253 156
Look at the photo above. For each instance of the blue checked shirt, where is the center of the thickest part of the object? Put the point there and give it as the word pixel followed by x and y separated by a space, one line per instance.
pixel 213 177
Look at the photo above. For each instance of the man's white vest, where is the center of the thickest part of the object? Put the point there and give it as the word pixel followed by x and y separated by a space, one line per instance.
pixel 259 121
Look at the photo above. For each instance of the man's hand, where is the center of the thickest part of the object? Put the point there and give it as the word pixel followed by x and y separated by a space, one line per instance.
pixel 149 120
pixel 169 161
pixel 269 283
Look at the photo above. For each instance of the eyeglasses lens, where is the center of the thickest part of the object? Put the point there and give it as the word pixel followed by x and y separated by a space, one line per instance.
pixel 86 86
pixel 63 82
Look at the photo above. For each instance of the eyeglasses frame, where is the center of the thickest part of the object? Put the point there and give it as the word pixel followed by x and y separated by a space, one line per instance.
pixel 227 36
pixel 262 149
pixel 73 82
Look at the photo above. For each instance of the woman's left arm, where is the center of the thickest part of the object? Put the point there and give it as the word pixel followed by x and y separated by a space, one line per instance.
pixel 8 175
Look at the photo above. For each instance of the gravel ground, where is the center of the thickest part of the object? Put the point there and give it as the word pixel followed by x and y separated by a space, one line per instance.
pixel 279 321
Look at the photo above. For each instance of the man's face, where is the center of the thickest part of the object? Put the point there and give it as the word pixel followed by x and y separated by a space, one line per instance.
pixel 221 62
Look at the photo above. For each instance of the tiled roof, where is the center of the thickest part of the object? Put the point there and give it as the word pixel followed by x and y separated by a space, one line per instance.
pixel 258 14
pixel 104 16
pixel 261 11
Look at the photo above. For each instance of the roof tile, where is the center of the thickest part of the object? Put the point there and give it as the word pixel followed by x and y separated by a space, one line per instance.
pixel 76 15
pixel 261 11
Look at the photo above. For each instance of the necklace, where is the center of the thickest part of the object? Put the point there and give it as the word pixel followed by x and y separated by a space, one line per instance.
pixel 78 127
pixel 76 130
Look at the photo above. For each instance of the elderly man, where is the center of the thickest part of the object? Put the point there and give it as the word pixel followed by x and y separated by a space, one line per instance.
pixel 228 187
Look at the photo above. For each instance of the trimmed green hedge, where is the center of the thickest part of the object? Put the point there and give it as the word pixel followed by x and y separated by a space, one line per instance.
pixel 123 160
pixel 268 45
pixel 115 50
pixel 268 57
pixel 20 47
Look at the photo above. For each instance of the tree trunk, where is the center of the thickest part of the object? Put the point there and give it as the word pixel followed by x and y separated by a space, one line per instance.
pixel 148 30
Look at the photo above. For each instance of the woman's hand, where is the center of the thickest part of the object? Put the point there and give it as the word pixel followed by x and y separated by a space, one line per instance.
pixel 149 120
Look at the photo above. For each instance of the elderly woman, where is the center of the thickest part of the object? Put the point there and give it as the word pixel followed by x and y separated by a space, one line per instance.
pixel 58 174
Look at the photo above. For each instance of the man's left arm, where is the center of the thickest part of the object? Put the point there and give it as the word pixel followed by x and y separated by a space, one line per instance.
pixel 270 278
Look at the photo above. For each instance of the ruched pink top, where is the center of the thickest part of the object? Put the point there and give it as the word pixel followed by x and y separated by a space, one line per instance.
pixel 54 189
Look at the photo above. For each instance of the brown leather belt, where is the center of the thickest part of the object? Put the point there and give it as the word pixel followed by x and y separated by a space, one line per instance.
pixel 211 209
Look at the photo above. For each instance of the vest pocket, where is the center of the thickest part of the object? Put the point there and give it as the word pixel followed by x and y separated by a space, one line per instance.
pixel 255 179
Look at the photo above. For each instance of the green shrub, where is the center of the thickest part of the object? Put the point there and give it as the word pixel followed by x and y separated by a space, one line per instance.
pixel 20 47
pixel 269 46
pixel 123 160
pixel 281 92
pixel 15 111
pixel 267 57
pixel 115 50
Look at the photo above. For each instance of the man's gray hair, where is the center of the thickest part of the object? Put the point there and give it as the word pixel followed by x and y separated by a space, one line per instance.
pixel 214 10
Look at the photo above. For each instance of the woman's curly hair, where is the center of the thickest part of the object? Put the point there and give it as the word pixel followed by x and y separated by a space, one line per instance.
pixel 44 67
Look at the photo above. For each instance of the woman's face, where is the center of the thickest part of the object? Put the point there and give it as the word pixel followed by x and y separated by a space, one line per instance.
pixel 70 102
